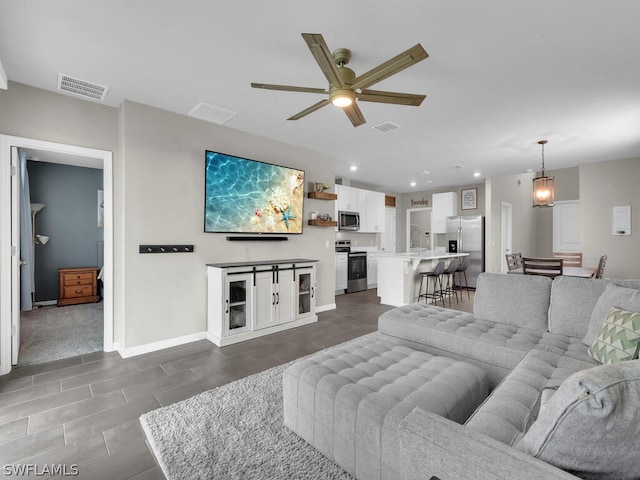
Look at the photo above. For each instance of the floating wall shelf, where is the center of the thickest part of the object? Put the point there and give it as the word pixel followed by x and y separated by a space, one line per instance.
pixel 323 223
pixel 323 196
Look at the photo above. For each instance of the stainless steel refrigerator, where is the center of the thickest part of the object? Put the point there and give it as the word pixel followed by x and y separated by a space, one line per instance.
pixel 465 234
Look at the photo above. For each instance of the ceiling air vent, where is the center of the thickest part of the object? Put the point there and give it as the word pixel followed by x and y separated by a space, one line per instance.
pixel 82 88
pixel 211 113
pixel 385 127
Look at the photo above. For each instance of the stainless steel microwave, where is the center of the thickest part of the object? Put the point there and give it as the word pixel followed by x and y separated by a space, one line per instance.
pixel 348 220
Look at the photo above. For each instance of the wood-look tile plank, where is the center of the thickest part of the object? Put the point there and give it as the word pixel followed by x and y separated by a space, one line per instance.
pixel 74 411
pixel 118 383
pixel 121 465
pixel 92 424
pixel 144 362
pixel 191 361
pixel 28 446
pixel 17 384
pixel 82 451
pixel 31 407
pixel 43 368
pixel 154 473
pixel 27 394
pixel 73 371
pixel 201 385
pixel 13 430
pixel 167 382
pixel 123 435
pixel 122 368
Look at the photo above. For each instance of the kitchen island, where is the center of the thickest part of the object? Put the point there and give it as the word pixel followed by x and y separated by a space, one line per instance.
pixel 398 279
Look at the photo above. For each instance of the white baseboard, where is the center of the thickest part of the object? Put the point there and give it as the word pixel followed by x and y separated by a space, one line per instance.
pixel 155 346
pixel 325 308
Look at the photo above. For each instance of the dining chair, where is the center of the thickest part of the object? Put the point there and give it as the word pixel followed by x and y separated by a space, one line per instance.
pixel 436 292
pixel 571 259
pixel 601 265
pixel 514 261
pixel 549 267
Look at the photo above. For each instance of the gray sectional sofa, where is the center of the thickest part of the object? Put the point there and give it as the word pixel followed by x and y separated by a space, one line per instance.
pixel 552 410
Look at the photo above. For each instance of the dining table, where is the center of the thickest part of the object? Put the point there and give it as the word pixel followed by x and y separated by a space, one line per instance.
pixel 584 272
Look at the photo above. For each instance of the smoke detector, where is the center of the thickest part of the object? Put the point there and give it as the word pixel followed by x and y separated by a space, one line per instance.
pixel 82 88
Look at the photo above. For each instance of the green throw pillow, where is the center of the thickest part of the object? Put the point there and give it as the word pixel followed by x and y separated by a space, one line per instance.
pixel 619 339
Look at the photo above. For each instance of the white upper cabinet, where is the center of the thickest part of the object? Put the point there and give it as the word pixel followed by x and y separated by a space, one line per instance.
pixel 443 205
pixel 369 204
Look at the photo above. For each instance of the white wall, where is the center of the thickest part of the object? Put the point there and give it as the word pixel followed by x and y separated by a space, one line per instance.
pixel 162 171
pixel 602 187
pixel 158 184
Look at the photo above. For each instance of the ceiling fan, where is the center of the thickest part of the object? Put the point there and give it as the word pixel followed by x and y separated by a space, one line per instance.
pixel 345 87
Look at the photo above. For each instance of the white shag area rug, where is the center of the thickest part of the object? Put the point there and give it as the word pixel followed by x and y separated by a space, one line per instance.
pixel 235 431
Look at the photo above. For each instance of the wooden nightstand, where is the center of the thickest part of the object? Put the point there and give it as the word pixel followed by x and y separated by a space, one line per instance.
pixel 77 285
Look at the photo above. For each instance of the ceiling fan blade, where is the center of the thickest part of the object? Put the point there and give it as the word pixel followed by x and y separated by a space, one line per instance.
pixel 311 109
pixel 398 63
pixel 354 114
pixel 391 97
pixel 289 88
pixel 323 56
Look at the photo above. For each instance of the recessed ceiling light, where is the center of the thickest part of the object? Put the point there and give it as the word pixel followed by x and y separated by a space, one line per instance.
pixel 413 184
pixel 529 170
pixel 476 174
pixel 353 168
pixel 425 172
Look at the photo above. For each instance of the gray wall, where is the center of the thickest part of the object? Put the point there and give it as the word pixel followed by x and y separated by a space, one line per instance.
pixel 69 218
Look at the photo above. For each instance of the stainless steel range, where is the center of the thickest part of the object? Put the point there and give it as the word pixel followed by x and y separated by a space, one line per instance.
pixel 356 267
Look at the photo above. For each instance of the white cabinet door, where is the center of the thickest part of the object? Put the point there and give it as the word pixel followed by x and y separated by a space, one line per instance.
pixel 388 240
pixel 372 270
pixel 285 296
pixel 443 205
pixel 341 272
pixel 265 300
pixel 566 226
pixel 375 212
pixel 362 209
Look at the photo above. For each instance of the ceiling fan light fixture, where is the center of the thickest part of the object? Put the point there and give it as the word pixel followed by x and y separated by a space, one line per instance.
pixel 342 97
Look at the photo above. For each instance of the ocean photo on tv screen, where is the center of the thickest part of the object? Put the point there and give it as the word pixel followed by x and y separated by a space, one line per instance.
pixel 247 196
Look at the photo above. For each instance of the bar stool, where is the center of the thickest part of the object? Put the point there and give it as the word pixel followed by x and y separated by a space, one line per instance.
pixel 436 275
pixel 462 270
pixel 449 276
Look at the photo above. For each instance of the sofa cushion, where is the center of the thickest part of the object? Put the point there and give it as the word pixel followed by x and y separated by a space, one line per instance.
pixel 591 425
pixel 572 302
pixel 513 406
pixel 519 300
pixel 619 339
pixel 613 296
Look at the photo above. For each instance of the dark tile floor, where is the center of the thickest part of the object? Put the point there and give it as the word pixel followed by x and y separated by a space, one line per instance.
pixel 84 410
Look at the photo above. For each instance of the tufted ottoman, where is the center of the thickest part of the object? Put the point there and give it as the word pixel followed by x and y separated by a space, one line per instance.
pixel 348 401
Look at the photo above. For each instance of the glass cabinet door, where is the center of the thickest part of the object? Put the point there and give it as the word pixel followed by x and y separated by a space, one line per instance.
pixel 238 304
pixel 306 283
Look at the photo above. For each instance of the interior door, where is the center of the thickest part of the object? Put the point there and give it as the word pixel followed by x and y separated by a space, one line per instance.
pixel 506 234
pixel 15 256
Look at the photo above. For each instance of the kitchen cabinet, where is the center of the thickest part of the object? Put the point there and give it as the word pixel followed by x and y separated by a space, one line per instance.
pixel 372 269
pixel 247 300
pixel 443 205
pixel 369 204
pixel 342 266
pixel 375 217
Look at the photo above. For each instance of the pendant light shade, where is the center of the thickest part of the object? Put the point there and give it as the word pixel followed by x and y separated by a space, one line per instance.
pixel 543 187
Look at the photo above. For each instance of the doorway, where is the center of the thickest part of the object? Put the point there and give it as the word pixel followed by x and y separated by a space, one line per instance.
pixel 9 248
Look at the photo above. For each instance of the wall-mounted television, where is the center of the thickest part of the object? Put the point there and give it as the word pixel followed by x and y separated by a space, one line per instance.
pixel 248 196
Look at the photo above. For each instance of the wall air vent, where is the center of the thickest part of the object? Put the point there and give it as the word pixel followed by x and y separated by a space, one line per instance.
pixel 211 113
pixel 385 127
pixel 82 88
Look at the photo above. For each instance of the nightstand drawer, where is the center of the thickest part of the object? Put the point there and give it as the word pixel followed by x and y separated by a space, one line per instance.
pixel 78 279
pixel 78 291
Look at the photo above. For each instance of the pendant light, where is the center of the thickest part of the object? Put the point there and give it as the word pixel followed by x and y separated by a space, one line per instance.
pixel 543 189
